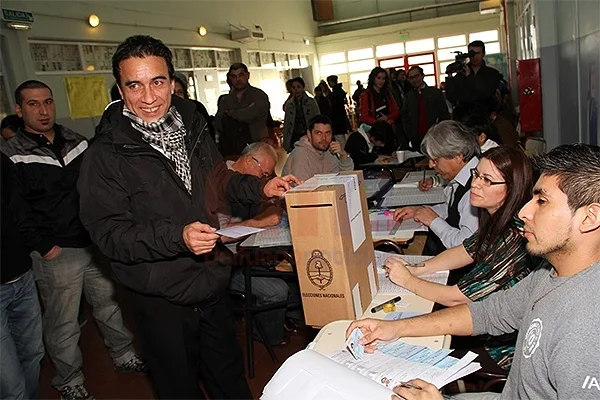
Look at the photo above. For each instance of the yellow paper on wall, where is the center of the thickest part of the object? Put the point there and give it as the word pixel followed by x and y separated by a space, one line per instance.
pixel 87 95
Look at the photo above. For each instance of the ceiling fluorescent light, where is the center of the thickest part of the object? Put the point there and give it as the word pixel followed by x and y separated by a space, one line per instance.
pixel 18 26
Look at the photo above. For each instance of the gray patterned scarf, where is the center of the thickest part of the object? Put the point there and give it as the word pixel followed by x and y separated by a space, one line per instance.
pixel 166 135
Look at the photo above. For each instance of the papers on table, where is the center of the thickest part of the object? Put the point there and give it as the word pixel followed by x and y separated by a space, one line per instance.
pixel 383 225
pixel 388 287
pixel 413 178
pixel 238 231
pixel 408 196
pixel 398 362
pixel 372 186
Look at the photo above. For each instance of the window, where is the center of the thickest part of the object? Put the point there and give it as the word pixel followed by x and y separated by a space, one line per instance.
pixel 363 65
pixel 451 41
pixel 333 58
pixel 334 69
pixel 388 50
pixel 492 48
pixel 421 59
pixel 444 65
pixel 361 54
pixel 448 54
pixel 417 46
pixel 485 36
pixel 430 80
pixel 428 69
pixel 363 77
pixel 392 63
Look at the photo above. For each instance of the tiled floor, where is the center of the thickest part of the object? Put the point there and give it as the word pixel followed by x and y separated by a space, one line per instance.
pixel 104 383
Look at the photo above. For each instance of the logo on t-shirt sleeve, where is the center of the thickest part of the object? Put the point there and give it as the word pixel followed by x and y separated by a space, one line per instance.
pixel 532 338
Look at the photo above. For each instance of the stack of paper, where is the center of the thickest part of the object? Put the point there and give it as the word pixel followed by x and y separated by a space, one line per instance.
pixel 372 186
pixel 398 362
pixel 408 196
pixel 383 225
pixel 413 178
pixel 388 287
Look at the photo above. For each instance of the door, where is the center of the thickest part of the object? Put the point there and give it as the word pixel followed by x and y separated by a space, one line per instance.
pixel 530 95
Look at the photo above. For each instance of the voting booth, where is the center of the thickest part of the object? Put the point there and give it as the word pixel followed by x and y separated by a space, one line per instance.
pixel 331 235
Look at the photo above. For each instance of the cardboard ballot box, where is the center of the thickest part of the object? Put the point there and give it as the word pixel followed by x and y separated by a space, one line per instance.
pixel 331 235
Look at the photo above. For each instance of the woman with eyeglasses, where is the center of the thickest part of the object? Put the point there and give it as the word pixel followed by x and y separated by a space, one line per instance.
pixel 501 185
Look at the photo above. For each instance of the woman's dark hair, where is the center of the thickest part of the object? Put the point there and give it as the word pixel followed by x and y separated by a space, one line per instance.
pixel 480 123
pixel 517 171
pixel 140 46
pixel 376 71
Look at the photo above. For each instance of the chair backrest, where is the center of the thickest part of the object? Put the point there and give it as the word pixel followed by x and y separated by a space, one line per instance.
pixel 535 146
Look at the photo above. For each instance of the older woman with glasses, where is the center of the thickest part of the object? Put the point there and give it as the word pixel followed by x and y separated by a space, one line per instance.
pixel 453 151
pixel 501 185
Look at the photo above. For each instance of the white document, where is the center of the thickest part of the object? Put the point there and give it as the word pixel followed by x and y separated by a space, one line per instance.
pixel 358 311
pixel 408 196
pixel 413 178
pixel 352 190
pixel 238 231
pixel 372 282
pixel 388 287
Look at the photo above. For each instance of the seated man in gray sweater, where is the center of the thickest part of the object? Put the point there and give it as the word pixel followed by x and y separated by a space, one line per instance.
pixel 555 309
pixel 316 153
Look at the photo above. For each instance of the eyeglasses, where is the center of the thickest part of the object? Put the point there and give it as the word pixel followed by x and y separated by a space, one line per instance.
pixel 265 174
pixel 486 181
pixel 413 77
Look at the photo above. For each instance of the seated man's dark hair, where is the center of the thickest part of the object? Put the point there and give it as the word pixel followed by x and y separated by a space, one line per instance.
pixel 141 46
pixel 577 170
pixel 318 119
pixel 30 84
pixel 381 131
pixel 480 123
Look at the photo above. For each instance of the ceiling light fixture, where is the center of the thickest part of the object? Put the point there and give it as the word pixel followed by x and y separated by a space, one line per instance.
pixel 93 20
pixel 18 26
pixel 307 42
pixel 202 31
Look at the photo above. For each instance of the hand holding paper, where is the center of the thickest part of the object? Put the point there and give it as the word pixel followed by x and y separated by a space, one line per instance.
pixel 199 238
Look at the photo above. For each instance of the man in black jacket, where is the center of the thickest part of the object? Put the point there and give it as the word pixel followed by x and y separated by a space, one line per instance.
pixel 150 187
pixel 363 144
pixel 47 159
pixel 21 346
pixel 423 107
pixel 477 83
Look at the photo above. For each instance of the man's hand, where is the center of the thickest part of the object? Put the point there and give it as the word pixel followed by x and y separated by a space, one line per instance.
pixel 466 70
pixel 396 270
pixel 199 238
pixel 375 330
pixel 417 389
pixel 425 215
pixel 403 213
pixel 270 217
pixel 425 184
pixel 336 148
pixel 53 253
pixel 277 187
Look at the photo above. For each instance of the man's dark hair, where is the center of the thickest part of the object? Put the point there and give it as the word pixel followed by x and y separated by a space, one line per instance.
pixel 30 84
pixel 300 81
pixel 477 43
pixel 381 131
pixel 12 122
pixel 235 66
pixel 332 78
pixel 141 46
pixel 480 123
pixel 114 93
pixel 318 119
pixel 577 170
pixel 417 68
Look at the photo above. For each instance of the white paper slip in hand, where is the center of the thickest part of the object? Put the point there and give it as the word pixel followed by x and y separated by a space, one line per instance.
pixel 238 231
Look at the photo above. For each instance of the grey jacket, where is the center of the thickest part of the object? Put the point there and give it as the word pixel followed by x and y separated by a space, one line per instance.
pixel 558 319
pixel 253 109
pixel 435 104
pixel 310 108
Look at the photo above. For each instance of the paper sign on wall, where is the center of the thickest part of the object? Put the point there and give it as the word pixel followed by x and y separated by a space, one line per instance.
pixel 87 95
